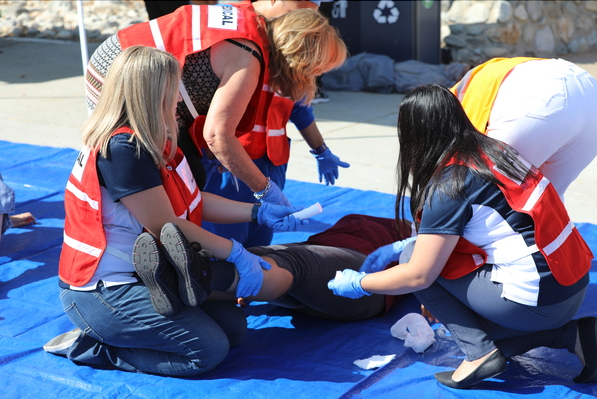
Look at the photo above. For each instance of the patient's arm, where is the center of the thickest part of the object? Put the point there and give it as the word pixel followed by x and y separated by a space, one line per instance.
pixel 22 219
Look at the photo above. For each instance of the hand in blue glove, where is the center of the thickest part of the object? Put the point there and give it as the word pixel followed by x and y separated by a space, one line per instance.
pixel 327 166
pixel 249 270
pixel 383 256
pixel 274 195
pixel 279 217
pixel 348 283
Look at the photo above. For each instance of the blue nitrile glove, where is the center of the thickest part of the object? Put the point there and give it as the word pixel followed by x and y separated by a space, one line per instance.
pixel 274 195
pixel 383 256
pixel 249 270
pixel 279 217
pixel 348 283
pixel 327 166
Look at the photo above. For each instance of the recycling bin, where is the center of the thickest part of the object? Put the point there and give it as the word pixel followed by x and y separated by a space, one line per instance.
pixel 402 30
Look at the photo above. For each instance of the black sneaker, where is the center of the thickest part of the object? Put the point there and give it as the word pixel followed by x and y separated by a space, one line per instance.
pixel 320 97
pixel 190 263
pixel 158 275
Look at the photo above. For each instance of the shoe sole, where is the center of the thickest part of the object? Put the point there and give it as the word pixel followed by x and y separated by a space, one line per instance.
pixel 146 259
pixel 62 343
pixel 177 250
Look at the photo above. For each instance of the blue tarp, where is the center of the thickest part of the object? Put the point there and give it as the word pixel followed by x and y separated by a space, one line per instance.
pixel 284 354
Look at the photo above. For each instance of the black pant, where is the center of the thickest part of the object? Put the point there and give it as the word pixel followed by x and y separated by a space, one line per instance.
pixel 312 266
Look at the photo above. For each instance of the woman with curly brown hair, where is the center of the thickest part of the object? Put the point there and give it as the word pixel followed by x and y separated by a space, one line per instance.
pixel 242 73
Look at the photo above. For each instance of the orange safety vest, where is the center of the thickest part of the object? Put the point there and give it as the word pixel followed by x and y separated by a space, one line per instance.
pixel 84 237
pixel 194 28
pixel 568 255
pixel 479 87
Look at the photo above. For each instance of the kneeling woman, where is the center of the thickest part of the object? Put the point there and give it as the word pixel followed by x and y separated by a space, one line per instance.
pixel 496 259
pixel 130 177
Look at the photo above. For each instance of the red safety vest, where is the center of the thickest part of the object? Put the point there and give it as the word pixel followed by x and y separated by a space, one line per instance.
pixel 269 133
pixel 194 28
pixel 567 254
pixel 84 237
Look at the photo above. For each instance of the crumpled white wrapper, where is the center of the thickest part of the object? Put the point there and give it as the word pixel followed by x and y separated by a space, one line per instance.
pixel 374 361
pixel 415 331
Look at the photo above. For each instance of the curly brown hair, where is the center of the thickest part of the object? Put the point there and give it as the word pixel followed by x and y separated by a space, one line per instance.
pixel 303 45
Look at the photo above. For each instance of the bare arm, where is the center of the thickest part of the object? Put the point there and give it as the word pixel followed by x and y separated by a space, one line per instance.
pixel 22 219
pixel 239 73
pixel 312 136
pixel 428 260
pixel 218 209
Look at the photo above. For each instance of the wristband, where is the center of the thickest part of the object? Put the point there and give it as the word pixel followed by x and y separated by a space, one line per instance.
pixel 255 211
pixel 319 150
pixel 260 194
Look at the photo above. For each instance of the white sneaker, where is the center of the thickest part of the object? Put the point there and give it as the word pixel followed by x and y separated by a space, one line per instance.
pixel 61 344
pixel 320 97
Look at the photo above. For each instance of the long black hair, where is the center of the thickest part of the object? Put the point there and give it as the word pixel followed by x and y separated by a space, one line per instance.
pixel 434 129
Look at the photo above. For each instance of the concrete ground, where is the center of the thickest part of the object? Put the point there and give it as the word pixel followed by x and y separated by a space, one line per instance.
pixel 42 102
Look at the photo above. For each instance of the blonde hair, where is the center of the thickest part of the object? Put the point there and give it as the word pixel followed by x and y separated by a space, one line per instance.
pixel 303 45
pixel 140 91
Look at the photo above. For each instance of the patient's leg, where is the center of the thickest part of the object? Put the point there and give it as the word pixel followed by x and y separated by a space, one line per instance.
pixel 310 268
pixel 276 281
pixel 298 280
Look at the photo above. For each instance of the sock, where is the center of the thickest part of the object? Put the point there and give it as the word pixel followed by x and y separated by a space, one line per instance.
pixel 222 275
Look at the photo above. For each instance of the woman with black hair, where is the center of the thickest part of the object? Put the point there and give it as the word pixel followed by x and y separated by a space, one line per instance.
pixel 496 258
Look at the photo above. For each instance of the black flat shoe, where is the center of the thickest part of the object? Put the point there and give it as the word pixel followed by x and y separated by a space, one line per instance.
pixel 587 333
pixel 158 275
pixel 191 265
pixel 492 366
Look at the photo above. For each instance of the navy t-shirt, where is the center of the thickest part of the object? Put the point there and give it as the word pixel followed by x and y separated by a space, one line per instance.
pixel 483 216
pixel 122 173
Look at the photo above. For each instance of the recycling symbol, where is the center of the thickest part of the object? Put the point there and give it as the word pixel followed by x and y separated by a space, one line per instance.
pixel 386 12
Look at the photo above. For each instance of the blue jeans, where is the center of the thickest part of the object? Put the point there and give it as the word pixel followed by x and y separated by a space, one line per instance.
pixel 248 234
pixel 122 330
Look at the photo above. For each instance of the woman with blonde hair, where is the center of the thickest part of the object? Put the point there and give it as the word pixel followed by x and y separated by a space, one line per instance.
pixel 242 73
pixel 130 177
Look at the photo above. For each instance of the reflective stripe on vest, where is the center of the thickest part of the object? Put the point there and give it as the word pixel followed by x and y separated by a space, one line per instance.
pixel 81 195
pixel 193 28
pixel 567 254
pixel 82 247
pixel 84 238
